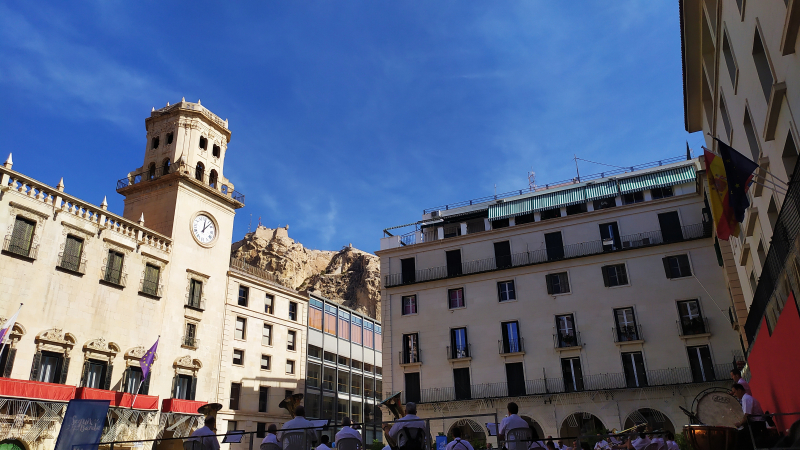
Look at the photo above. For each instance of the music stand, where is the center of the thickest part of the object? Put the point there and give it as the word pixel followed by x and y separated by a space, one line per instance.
pixel 233 437
pixel 492 428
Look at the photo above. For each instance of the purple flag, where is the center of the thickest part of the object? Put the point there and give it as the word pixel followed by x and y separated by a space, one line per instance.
pixel 147 360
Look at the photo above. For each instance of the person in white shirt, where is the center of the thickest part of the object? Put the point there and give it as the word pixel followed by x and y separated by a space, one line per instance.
pixel 410 420
pixel 271 437
pixel 736 375
pixel 457 443
pixel 297 424
pixel 386 447
pixel 324 441
pixel 601 444
pixel 347 431
pixel 511 421
pixel 639 443
pixel 752 414
pixel 671 444
pixel 658 439
pixel 206 436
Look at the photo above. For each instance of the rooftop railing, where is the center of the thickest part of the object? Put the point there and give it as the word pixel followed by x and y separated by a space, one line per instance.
pixel 202 176
pixel 638 240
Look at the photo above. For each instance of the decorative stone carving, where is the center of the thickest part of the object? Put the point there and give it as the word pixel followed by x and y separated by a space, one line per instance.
pixel 100 349
pixel 55 339
pixel 186 365
pixel 17 331
pixel 134 355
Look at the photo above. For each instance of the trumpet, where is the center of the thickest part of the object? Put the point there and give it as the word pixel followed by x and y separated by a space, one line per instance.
pixel 396 408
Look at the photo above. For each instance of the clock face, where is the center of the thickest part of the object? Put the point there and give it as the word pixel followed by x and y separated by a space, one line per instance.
pixel 204 229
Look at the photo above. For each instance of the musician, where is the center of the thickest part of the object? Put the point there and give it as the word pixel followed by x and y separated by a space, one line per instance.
pixel 736 375
pixel 300 421
pixel 324 441
pixel 457 443
pixel 752 413
pixel 639 443
pixel 671 444
pixel 271 437
pixel 601 444
pixel 348 432
pixel 511 421
pixel 658 439
pixel 410 420
pixel 206 436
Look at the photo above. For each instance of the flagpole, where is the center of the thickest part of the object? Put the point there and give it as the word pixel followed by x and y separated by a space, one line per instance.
pixel 3 347
pixel 760 168
pixel 776 188
pixel 137 393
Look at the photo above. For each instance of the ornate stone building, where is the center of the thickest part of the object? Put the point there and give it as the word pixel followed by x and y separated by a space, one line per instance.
pixel 99 289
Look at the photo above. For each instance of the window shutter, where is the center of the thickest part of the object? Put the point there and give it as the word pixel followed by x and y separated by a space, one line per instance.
pixel 683 263
pixel 192 388
pixel 64 370
pixel 174 386
pixel 37 364
pixel 125 375
pixel 12 353
pixel 84 373
pixel 107 381
pixel 145 386
pixel 666 267
pixel 622 274
pixel 549 279
pixel 565 284
pixel 605 276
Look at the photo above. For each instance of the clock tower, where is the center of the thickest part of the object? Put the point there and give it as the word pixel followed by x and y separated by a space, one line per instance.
pixel 181 192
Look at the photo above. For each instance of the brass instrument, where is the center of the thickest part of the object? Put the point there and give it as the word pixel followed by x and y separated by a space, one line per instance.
pixel 291 403
pixel 628 429
pixel 398 410
pixel 210 410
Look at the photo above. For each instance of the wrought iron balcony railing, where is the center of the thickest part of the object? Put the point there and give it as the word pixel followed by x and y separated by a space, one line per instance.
pixel 190 341
pixel 22 247
pixel 411 357
pixel 561 340
pixel 459 351
pixel 638 240
pixel 627 333
pixel 507 346
pixel 690 327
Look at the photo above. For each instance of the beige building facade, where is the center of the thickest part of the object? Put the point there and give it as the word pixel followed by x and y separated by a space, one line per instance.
pixel 99 288
pixel 741 72
pixel 592 304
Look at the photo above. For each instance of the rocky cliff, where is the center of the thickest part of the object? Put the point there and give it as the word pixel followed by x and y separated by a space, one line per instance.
pixel 348 276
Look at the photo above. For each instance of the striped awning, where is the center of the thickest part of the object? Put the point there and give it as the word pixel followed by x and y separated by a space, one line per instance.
pixel 605 189
pixel 511 209
pixel 550 200
pixel 558 199
pixel 654 180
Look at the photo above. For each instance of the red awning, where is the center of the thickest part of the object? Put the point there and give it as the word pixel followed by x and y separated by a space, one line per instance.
pixel 176 405
pixel 118 399
pixel 36 390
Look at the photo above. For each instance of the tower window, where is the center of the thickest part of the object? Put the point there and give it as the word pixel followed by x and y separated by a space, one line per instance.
pixel 203 143
pixel 198 171
pixel 215 151
pixel 154 143
pixel 762 65
pixel 212 178
pixel 151 172
pixel 169 138
pixel 165 167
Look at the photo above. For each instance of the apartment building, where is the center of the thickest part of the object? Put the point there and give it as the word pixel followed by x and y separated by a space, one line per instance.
pixel 741 74
pixel 344 373
pixel 549 296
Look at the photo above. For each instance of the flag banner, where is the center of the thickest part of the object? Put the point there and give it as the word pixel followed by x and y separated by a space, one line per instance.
pixel 739 174
pixel 721 211
pixel 82 426
pixel 146 362
pixel 8 326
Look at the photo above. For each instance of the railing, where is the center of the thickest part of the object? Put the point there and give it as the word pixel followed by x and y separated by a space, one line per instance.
pixel 117 278
pixel 557 183
pixel 511 346
pixel 72 263
pixel 593 382
pixel 627 333
pixel 411 357
pixel 21 247
pixel 567 341
pixel 202 176
pixel 691 327
pixel 190 341
pixel 688 232
pixel 243 266
pixel 459 352
pixel 152 288
pixel 194 303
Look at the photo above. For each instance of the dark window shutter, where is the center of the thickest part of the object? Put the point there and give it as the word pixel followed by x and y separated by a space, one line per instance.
pixel 37 364
pixel 628 368
pixel 549 279
pixel 606 282
pixel 107 381
pixel 622 275
pixel 683 263
pixel 667 270
pixel 64 370
pixel 174 385
pixel 12 353
pixel 125 375
pixel 506 337
pixel 565 283
pixel 640 371
pixel 192 388
pixel 145 389
pixel 83 373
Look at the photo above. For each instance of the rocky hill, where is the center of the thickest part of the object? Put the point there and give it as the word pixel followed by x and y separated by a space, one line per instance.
pixel 348 276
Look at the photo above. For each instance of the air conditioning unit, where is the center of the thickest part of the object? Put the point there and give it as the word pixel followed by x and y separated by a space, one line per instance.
pixel 436 213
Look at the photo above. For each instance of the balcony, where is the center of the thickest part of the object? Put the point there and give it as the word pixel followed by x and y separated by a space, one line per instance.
pixel 511 346
pixel 202 177
pixel 195 303
pixel 459 352
pixel 567 342
pixel 151 288
pixel 689 328
pixel 189 341
pixel 594 382
pixel 72 263
pixel 411 358
pixel 628 334
pixel 20 247
pixel 629 242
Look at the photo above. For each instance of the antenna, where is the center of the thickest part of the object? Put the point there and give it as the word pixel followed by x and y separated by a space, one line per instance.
pixel 576 167
pixel 532 180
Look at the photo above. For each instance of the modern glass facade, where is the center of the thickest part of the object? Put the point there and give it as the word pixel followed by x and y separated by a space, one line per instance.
pixel 344 374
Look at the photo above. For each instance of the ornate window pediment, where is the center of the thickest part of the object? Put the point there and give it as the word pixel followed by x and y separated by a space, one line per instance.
pixel 55 340
pixel 100 349
pixel 134 355
pixel 187 366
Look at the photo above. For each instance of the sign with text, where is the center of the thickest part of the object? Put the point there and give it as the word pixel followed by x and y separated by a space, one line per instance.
pixel 83 424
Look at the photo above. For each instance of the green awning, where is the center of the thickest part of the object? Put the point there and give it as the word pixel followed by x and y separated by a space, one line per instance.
pixel 605 189
pixel 670 177
pixel 558 199
pixel 511 209
pixel 550 200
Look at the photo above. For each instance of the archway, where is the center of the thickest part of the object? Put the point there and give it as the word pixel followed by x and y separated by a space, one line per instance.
pixel 585 423
pixel 470 430
pixel 198 171
pixel 655 419
pixel 212 178
pixel 533 425
pixel 11 444
pixel 151 172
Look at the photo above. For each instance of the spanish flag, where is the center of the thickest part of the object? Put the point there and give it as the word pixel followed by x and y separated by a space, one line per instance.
pixel 721 210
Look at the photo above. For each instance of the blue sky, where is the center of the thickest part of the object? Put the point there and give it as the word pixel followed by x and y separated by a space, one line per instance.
pixel 347 116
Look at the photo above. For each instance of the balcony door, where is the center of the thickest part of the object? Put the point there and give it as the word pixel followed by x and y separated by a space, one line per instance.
pixel 573 375
pixel 670 225
pixel 511 341
pixel 458 343
pixel 462 384
pixel 410 348
pixel 453 263
pixel 609 233
pixel 502 254
pixel 633 365
pixel 554 245
pixel 515 376
pixel 701 364
pixel 412 387
pixel 408 269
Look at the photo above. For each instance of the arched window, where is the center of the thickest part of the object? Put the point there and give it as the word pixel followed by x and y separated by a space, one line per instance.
pixel 198 171
pixel 151 172
pixel 215 151
pixel 212 178
pixel 203 143
pixel 165 167
pixel 154 143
